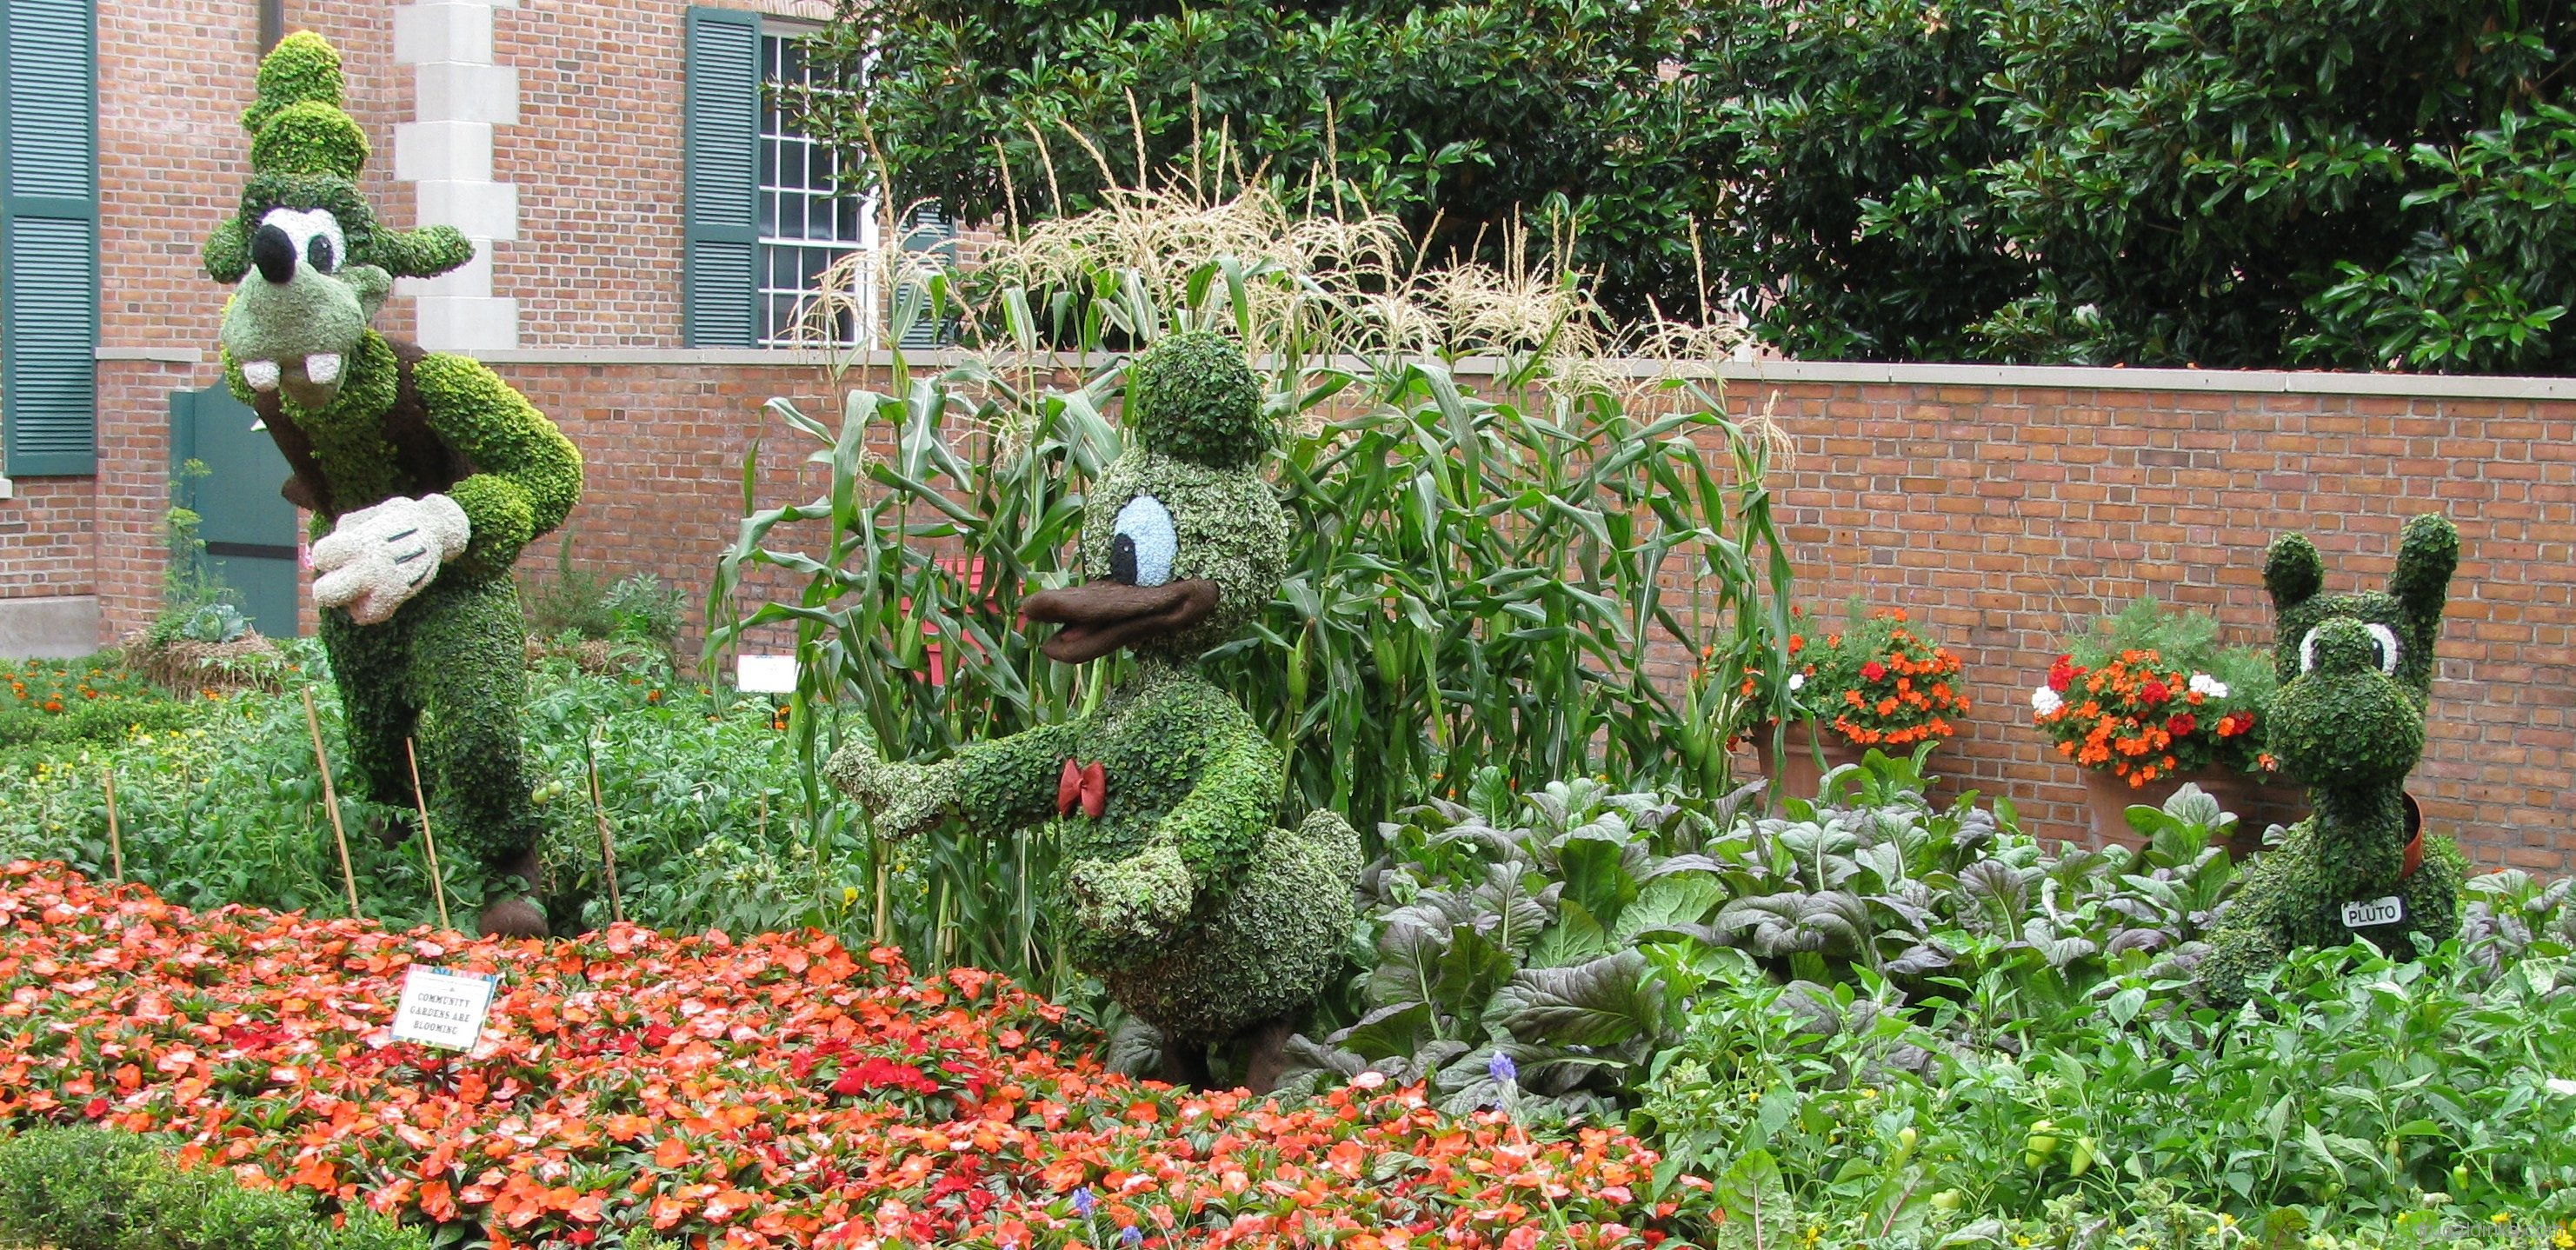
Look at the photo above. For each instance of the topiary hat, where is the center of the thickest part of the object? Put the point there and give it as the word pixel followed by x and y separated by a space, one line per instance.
pixel 1192 396
pixel 298 125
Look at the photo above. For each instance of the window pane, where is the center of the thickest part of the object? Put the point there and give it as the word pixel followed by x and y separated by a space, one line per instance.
pixel 804 225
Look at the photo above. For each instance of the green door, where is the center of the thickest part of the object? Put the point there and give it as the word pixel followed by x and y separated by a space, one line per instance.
pixel 249 528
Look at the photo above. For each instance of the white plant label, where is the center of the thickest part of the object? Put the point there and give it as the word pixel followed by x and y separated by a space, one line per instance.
pixel 442 1008
pixel 765 674
pixel 2377 911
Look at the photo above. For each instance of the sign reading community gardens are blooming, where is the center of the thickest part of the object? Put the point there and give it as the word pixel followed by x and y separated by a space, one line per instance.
pixel 442 1008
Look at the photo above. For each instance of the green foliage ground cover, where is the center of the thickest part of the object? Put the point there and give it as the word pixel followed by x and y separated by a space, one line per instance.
pixel 48 702
pixel 1889 1022
pixel 98 1189
pixel 221 803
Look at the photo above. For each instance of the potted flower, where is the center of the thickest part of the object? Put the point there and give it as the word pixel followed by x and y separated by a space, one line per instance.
pixel 2148 701
pixel 1874 683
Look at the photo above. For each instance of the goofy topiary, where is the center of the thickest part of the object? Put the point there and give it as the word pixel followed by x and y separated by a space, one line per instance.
pixel 425 473
pixel 1200 915
pixel 2356 671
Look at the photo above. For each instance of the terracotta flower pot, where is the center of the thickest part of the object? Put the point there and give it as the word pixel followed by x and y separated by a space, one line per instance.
pixel 1796 767
pixel 2257 803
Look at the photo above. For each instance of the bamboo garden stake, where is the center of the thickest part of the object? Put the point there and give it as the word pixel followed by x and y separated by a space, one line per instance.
pixel 331 799
pixel 428 843
pixel 607 845
pixel 115 839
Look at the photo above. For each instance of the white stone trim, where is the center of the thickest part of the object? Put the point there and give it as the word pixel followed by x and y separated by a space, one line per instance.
pixel 459 94
pixel 450 151
pixel 48 627
pixel 1736 373
pixel 443 30
pixel 483 210
pixel 151 355
pixel 456 91
pixel 470 324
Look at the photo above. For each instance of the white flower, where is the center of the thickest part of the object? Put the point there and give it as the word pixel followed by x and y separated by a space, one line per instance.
pixel 1797 682
pixel 2045 701
pixel 2208 686
pixel 2561 1085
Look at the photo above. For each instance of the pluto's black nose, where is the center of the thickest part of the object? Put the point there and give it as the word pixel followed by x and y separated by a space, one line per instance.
pixel 274 253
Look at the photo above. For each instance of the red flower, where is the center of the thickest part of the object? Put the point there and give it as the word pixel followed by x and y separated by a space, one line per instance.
pixel 2154 692
pixel 2063 673
pixel 1873 671
pixel 715 1140
pixel 871 1074
pixel 2181 724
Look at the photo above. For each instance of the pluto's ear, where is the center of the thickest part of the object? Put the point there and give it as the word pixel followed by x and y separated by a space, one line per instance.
pixel 227 252
pixel 2293 571
pixel 1192 396
pixel 423 253
pixel 2426 557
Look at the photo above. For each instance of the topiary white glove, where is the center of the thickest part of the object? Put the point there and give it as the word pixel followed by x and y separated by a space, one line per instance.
pixel 378 557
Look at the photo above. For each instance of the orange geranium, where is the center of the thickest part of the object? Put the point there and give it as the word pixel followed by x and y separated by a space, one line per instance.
pixel 2140 719
pixel 1878 683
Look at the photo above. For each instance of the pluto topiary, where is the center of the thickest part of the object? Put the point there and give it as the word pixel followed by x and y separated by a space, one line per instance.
pixel 1200 915
pixel 425 473
pixel 2356 671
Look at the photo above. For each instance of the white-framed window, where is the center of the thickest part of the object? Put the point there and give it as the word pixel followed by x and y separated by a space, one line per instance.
pixel 806 224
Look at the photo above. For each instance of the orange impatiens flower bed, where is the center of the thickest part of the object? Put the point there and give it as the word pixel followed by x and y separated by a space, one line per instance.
pixel 775 1091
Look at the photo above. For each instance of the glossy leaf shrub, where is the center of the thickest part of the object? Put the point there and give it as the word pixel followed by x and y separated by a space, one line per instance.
pixel 782 1090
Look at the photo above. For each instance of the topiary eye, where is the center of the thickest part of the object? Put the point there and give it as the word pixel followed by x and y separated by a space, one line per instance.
pixel 2385 639
pixel 315 232
pixel 1142 543
pixel 2383 646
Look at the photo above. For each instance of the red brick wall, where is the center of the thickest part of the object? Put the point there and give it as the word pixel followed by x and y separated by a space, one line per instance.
pixel 598 160
pixel 662 449
pixel 2000 514
pixel 46 547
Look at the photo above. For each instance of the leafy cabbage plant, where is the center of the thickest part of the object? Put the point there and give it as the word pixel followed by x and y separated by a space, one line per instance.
pixel 1539 949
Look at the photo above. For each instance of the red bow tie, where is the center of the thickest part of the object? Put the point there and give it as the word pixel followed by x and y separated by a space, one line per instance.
pixel 1086 783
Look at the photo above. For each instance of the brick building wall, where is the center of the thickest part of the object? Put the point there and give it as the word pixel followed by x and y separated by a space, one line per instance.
pixel 1999 506
pixel 597 156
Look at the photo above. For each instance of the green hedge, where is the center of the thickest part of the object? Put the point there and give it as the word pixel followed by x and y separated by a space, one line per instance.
pixel 97 1189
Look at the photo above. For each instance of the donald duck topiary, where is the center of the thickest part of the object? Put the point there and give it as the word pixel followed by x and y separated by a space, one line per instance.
pixel 1200 915
pixel 425 473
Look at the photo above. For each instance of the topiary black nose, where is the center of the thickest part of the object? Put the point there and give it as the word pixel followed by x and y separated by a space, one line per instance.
pixel 274 253
pixel 1122 560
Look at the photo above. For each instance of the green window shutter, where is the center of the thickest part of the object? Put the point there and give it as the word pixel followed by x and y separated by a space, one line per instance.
pixel 930 233
pixel 49 238
pixel 721 230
